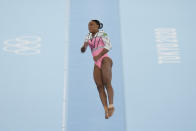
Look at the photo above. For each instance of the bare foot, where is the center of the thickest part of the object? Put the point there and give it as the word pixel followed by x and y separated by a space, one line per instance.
pixel 110 111
pixel 106 115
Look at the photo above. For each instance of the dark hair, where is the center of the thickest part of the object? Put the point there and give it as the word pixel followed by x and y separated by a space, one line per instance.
pixel 98 23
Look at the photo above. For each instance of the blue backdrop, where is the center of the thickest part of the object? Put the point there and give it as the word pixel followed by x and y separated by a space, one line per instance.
pixel 153 72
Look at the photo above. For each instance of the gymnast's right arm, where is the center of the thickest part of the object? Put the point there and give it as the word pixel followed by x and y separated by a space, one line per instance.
pixel 83 48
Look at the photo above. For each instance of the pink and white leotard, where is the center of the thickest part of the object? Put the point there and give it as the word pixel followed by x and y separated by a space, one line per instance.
pixel 97 43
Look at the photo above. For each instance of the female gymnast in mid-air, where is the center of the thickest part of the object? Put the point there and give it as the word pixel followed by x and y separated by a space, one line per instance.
pixel 100 44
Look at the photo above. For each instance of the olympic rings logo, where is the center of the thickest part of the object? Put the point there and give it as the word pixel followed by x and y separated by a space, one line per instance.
pixel 25 45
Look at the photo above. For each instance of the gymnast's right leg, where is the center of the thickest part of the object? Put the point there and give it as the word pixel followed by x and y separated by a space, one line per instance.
pixel 100 87
pixel 107 77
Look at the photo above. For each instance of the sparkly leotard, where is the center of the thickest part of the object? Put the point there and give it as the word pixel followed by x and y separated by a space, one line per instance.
pixel 97 43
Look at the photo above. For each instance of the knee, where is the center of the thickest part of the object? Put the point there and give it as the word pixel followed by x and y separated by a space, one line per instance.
pixel 107 82
pixel 100 87
pixel 108 86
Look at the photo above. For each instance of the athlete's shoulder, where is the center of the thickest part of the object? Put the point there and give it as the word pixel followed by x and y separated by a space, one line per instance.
pixel 102 33
pixel 88 36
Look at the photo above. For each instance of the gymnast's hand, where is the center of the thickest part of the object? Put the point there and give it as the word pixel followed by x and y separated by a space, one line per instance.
pixel 83 49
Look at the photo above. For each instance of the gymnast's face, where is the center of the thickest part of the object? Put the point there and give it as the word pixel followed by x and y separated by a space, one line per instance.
pixel 93 27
